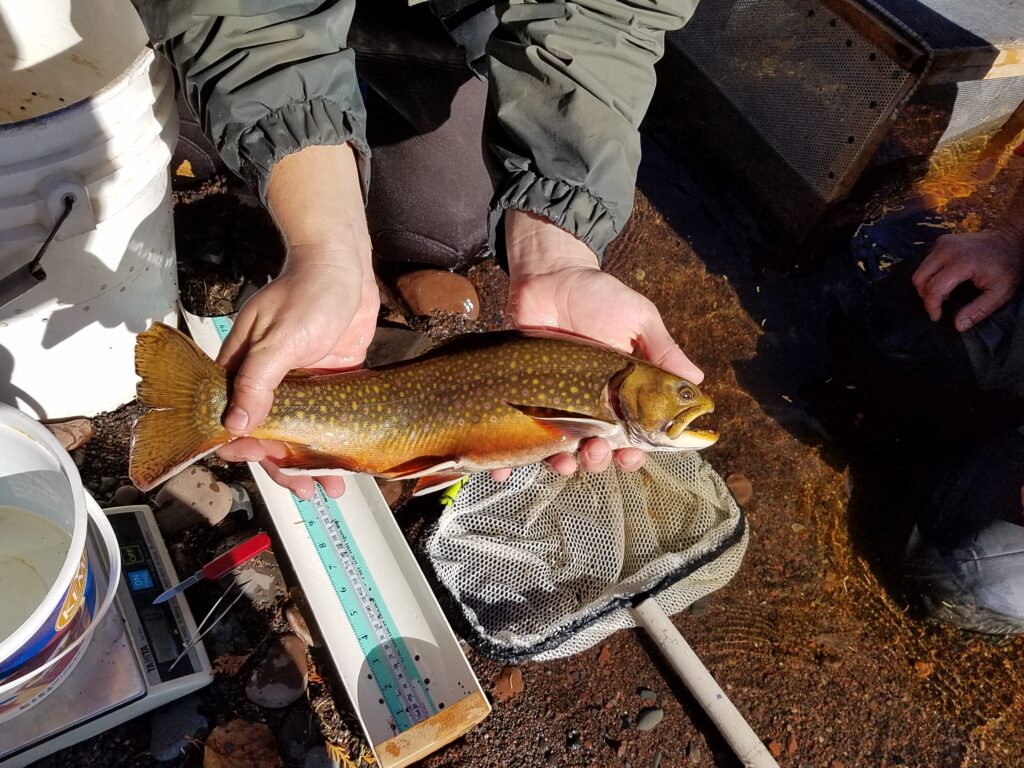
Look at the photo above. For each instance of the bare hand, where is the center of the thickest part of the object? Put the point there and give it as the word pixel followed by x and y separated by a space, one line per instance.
pixel 556 283
pixel 993 261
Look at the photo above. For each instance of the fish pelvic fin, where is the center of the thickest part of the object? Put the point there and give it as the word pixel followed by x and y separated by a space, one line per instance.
pixel 183 394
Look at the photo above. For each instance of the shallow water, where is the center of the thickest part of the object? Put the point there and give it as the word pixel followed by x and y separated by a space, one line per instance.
pixel 32 552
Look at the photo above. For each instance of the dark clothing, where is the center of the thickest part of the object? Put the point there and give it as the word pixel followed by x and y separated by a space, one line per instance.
pixel 568 85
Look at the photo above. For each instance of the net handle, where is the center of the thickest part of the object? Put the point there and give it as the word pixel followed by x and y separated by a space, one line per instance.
pixel 698 680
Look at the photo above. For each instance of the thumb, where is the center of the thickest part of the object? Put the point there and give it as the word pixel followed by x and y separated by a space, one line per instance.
pixel 252 389
pixel 660 348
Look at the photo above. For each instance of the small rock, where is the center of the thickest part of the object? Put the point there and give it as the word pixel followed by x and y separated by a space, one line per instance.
pixel 192 497
pixel 656 762
pixel 603 655
pixel 239 744
pixel 223 307
pixel 126 496
pixel 699 607
pixel 797 527
pixel 172 727
pixel 649 717
pixel 775 748
pixel 282 676
pixel 507 684
pixel 791 745
pixel 393 345
pixel 740 487
pixel 107 486
pixel 693 752
pixel 73 433
pixel 836 764
pixel 391 490
pixel 426 290
pixel 923 668
pixel 297 624
pixel 572 740
pixel 262 578
pixel 647 694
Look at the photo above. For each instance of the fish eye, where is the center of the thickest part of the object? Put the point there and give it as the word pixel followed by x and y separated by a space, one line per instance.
pixel 686 393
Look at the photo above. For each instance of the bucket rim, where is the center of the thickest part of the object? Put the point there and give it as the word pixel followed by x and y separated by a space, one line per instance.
pixel 33 430
pixel 96 99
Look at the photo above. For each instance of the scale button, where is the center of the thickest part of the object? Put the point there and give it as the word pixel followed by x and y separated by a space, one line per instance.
pixel 140 579
pixel 132 554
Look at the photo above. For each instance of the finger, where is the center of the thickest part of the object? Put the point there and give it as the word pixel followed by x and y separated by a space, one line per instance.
pixel 629 459
pixel 941 286
pixel 981 307
pixel 562 463
pixel 932 264
pixel 501 475
pixel 333 485
pixel 658 346
pixel 252 387
pixel 243 449
pixel 595 455
pixel 302 486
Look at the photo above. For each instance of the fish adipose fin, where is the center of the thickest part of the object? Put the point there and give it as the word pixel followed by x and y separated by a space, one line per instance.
pixel 183 394
pixel 566 423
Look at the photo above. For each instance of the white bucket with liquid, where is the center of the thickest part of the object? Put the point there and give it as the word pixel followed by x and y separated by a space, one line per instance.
pixel 50 599
pixel 87 112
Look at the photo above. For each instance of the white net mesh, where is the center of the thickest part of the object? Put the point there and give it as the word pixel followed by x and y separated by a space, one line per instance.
pixel 545 565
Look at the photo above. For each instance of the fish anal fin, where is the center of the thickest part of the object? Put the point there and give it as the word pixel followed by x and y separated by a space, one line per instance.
pixel 422 466
pixel 436 482
pixel 305 460
pixel 566 423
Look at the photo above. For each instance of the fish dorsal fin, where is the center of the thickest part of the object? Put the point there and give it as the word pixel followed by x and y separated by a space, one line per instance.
pixel 304 460
pixel 567 423
pixel 436 482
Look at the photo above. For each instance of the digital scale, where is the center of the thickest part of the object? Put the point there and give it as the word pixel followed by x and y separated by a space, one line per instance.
pixel 125 670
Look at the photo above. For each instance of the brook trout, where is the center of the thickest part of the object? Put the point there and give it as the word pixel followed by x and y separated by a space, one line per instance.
pixel 481 402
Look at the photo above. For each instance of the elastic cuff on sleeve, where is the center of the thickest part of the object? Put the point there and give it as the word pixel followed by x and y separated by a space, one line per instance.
pixel 319 122
pixel 572 208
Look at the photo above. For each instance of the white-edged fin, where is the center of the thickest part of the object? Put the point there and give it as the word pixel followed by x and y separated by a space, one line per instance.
pixel 438 482
pixel 335 471
pixel 568 424
pixel 441 468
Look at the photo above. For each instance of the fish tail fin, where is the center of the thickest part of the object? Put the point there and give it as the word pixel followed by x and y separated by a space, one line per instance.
pixel 183 394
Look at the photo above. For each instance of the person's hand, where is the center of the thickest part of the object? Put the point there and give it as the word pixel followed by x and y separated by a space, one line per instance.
pixel 555 282
pixel 992 260
pixel 319 313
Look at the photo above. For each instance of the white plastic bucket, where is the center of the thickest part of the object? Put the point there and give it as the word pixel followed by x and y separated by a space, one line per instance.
pixel 87 110
pixel 38 476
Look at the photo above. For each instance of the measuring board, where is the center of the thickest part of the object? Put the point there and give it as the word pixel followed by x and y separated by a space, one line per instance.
pixel 408 680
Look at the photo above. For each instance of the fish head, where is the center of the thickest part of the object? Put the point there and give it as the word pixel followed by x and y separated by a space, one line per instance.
pixel 657 407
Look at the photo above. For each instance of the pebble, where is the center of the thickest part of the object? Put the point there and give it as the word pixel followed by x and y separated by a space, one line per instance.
pixel 572 740
pixel 791 745
pixel 282 676
pixel 507 683
pixel 262 577
pixel 426 290
pixel 393 345
pixel 647 694
pixel 603 656
pixel 656 762
pixel 700 606
pixel 740 487
pixel 775 748
pixel 240 744
pixel 73 433
pixel 296 621
pixel 192 497
pixel 836 764
pixel 172 727
pixel 649 717
pixel 923 668
pixel 126 496
pixel 693 752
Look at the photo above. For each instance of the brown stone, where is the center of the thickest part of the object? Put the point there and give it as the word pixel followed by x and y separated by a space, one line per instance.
pixel 192 497
pixel 775 748
pixel 603 655
pixel 240 744
pixel 923 668
pixel 282 676
pixel 508 683
pixel 426 290
pixel 791 745
pixel 740 487
pixel 73 433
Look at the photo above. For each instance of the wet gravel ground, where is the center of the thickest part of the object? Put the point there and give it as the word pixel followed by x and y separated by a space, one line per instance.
pixel 813 640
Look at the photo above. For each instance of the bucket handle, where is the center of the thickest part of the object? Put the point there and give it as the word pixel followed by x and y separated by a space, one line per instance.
pixel 106 532
pixel 24 278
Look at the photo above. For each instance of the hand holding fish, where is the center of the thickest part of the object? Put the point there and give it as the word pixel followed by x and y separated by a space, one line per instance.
pixel 556 283
pixel 286 325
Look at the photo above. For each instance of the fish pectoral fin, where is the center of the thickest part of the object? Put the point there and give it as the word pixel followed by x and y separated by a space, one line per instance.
pixel 305 460
pixel 567 423
pixel 438 482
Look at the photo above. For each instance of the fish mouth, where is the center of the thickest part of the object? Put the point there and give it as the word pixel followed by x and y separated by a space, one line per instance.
pixel 681 436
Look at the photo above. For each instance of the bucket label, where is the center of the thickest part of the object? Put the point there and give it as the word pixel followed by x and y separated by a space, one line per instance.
pixel 75 595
